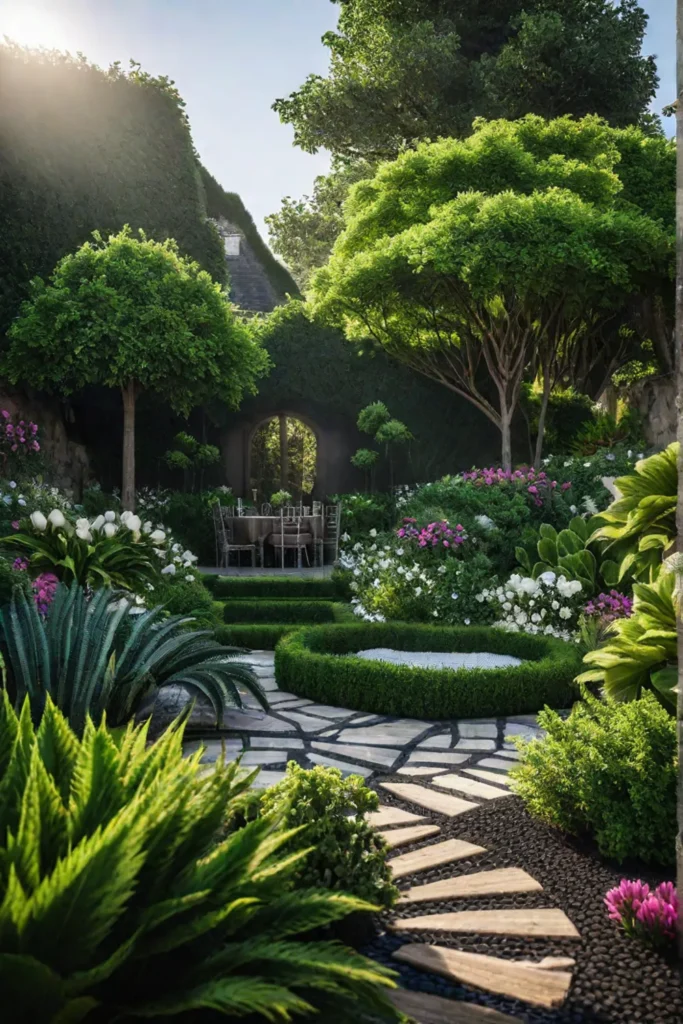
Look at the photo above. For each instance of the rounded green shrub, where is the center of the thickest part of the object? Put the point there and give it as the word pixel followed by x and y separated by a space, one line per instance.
pixel 308 663
pixel 344 852
pixel 609 772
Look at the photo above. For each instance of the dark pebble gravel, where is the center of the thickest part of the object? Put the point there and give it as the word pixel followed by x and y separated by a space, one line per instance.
pixel 616 980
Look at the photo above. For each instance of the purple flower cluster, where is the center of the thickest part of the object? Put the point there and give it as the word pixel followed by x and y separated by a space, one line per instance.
pixel 536 484
pixel 608 607
pixel 642 913
pixel 44 589
pixel 434 535
pixel 20 564
pixel 19 436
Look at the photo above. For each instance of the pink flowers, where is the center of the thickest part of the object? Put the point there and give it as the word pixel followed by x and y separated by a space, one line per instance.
pixel 537 484
pixel 644 914
pixel 44 589
pixel 434 536
pixel 18 437
pixel 608 607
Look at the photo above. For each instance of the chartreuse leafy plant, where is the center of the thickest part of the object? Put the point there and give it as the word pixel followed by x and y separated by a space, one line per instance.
pixel 566 553
pixel 607 771
pixel 119 900
pixel 641 651
pixel 639 527
pixel 133 314
pixel 344 852
pixel 94 658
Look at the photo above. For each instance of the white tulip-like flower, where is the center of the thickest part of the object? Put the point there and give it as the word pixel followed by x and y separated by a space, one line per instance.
pixel 83 534
pixel 38 521
pixel 133 523
pixel 110 517
pixel 56 518
pixel 147 528
pixel 189 557
pixel 159 552
pixel 158 537
pixel 98 523
pixel 125 516
pixel 110 530
pixel 168 570
pixel 82 524
pixel 373 532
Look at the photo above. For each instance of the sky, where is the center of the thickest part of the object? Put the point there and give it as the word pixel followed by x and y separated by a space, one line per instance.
pixel 230 60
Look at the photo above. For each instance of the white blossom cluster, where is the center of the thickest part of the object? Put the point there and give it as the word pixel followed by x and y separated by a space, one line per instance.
pixel 549 605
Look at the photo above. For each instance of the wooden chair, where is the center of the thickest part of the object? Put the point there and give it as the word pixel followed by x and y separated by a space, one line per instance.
pixel 224 526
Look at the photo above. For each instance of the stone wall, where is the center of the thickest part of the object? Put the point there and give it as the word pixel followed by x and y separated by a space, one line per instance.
pixel 69 466
pixel 249 286
pixel 655 400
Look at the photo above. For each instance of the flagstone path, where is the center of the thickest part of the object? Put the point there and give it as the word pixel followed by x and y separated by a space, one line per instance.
pixel 466 759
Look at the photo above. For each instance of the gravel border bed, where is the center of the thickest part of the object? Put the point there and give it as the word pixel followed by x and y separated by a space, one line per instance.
pixel 616 980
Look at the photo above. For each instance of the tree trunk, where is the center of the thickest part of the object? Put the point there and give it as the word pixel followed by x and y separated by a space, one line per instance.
pixel 545 398
pixel 128 482
pixel 506 440
pixel 679 372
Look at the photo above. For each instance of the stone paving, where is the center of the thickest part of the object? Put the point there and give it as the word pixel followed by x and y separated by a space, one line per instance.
pixel 463 757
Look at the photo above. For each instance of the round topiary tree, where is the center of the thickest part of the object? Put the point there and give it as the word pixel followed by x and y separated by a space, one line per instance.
pixel 133 314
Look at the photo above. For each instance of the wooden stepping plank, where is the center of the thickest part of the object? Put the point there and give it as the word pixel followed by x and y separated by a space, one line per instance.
pixel 490 973
pixel 433 856
pixel 428 1009
pixel 481 773
pixel 429 798
pixel 480 883
pixel 550 963
pixel 405 836
pixel 544 923
pixel 470 787
pixel 392 816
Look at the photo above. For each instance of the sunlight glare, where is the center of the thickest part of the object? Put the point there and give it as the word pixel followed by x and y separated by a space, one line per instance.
pixel 31 25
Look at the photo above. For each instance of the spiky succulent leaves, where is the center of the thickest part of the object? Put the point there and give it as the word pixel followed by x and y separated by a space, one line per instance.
pixel 94 658
pixel 639 527
pixel 640 647
pixel 116 897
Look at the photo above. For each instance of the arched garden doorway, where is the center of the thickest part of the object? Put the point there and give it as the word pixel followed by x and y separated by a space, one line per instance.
pixel 283 456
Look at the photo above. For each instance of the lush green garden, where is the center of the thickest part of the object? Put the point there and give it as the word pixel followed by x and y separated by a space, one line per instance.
pixel 524 263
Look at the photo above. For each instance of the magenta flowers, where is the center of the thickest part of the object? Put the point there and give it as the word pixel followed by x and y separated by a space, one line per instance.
pixel 537 484
pixel 434 536
pixel 644 914
pixel 18 438
pixel 44 589
pixel 608 607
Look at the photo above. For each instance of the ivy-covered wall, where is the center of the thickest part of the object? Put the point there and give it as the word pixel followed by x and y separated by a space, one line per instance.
pixel 86 149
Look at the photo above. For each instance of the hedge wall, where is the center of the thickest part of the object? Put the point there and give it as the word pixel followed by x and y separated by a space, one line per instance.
pixel 307 663
pixel 83 149
pixel 271 587
pixel 260 610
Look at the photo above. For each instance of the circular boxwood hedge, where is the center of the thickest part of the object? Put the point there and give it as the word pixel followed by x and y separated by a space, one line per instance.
pixel 307 663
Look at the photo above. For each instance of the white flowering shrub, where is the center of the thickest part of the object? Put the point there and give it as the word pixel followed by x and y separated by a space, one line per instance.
pixel 396 580
pixel 550 605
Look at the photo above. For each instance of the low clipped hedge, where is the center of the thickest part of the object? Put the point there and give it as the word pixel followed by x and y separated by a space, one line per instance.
pixel 240 587
pixel 307 663
pixel 259 610
pixel 256 636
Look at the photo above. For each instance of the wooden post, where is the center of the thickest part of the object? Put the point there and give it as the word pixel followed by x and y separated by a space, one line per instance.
pixel 284 455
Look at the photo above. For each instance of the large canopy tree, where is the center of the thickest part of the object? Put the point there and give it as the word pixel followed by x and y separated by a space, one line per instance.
pixel 406 70
pixel 477 289
pixel 133 314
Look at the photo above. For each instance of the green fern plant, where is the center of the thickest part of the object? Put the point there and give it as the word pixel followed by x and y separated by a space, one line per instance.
pixel 640 652
pixel 94 657
pixel 639 527
pixel 119 902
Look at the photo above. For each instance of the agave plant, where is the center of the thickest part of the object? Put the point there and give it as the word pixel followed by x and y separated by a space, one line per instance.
pixel 567 554
pixel 94 657
pixel 119 902
pixel 639 527
pixel 641 651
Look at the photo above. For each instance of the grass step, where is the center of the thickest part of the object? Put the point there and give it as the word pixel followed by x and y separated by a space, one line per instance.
pixel 262 610
pixel 271 587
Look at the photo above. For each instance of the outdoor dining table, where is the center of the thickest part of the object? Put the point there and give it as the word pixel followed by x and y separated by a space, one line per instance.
pixel 256 529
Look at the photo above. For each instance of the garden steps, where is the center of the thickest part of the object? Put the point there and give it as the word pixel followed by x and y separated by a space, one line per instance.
pixel 433 856
pixel 427 1009
pixel 386 815
pixel 481 883
pixel 537 923
pixel 405 836
pixel 413 771
pixel 430 799
pixel 517 979
pixel 495 777
pixel 470 787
